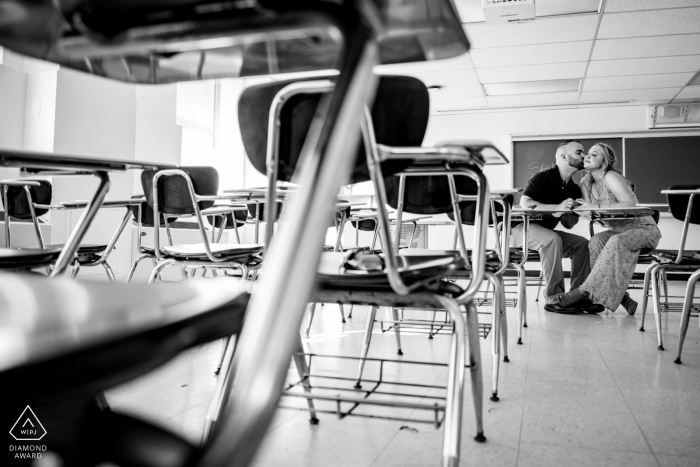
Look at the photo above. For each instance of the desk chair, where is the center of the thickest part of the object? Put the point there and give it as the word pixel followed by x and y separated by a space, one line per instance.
pixel 190 191
pixel 377 280
pixel 31 199
pixel 453 195
pixel 681 204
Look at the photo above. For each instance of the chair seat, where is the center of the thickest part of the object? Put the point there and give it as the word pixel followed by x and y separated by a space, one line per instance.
pixel 516 255
pixel 492 261
pixel 690 258
pixel 27 258
pixel 424 269
pixel 196 251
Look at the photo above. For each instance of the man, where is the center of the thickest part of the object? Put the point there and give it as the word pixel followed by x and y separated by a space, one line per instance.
pixel 555 189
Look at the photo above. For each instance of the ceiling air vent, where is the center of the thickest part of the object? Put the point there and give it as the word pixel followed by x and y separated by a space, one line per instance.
pixel 674 116
pixel 508 11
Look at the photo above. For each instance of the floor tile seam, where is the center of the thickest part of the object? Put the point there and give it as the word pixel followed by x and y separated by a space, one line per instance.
pixel 639 427
pixel 597 448
pixel 183 411
pixel 522 408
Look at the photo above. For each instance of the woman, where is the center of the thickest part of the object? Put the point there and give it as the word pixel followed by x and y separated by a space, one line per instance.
pixel 614 252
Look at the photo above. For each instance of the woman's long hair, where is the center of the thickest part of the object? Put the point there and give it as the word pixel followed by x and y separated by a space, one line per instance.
pixel 610 162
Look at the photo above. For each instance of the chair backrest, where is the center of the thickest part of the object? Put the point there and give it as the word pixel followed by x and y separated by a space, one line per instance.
pixel 18 203
pixel 468 210
pixel 400 115
pixel 256 209
pixel 678 204
pixel 240 219
pixel 174 194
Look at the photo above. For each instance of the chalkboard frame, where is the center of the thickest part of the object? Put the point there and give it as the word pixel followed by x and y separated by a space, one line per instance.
pixel 601 136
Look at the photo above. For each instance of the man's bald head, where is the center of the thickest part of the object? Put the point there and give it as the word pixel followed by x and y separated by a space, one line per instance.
pixel 570 155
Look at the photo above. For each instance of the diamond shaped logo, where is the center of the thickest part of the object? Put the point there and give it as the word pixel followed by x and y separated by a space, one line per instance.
pixel 28 427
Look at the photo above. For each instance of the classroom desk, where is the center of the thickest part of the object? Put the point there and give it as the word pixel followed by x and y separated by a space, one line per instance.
pixel 54 164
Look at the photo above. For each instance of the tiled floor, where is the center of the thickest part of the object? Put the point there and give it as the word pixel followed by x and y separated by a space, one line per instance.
pixel 581 390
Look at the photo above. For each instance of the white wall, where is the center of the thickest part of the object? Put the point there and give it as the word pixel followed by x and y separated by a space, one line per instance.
pixel 94 117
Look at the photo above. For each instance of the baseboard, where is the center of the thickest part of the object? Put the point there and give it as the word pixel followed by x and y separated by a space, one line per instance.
pixel 680 276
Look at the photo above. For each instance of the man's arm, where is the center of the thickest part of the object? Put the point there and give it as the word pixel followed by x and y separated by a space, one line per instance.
pixel 526 201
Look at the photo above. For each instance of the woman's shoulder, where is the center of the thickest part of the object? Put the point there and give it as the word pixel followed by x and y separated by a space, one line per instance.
pixel 615 177
pixel 586 179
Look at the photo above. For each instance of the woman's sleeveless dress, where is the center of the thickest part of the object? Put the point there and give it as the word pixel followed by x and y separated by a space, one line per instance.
pixel 614 254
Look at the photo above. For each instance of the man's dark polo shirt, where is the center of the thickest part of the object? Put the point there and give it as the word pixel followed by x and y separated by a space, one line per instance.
pixel 548 188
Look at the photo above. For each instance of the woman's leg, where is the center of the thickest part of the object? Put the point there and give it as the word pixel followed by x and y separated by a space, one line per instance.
pixel 597 243
pixel 615 264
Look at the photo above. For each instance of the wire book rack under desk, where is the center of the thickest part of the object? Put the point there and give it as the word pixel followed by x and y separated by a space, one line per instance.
pixel 399 399
pixel 430 327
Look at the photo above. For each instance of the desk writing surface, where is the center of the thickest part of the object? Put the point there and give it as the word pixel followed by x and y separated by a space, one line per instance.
pixel 637 211
pixel 44 161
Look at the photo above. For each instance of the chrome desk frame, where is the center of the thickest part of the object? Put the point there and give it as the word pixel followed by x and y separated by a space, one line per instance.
pixel 50 164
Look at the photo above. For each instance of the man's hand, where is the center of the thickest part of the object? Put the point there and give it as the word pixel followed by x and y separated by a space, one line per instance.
pixel 568 203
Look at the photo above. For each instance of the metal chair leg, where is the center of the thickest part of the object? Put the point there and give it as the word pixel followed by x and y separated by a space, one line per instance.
pixel 539 288
pixel 477 377
pixel 397 329
pixel 76 269
pixel 159 267
pixel 367 339
pixel 110 273
pixel 430 336
pixel 455 384
pixel 495 341
pixel 645 292
pixel 522 301
pixel 655 286
pixel 504 318
pixel 225 344
pixel 350 314
pixel 342 313
pixel 312 311
pixel 303 371
pixel 663 275
pixel 685 317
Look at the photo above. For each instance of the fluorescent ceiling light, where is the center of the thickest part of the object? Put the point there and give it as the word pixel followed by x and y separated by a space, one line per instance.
pixel 470 10
pixel 532 87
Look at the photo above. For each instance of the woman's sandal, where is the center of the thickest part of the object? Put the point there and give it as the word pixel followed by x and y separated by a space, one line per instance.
pixel 570 298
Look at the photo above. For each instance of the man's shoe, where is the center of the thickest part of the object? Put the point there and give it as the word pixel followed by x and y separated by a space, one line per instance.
pixel 564 310
pixel 587 306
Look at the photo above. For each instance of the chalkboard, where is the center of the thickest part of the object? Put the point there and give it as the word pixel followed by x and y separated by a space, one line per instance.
pixel 532 157
pixel 654 164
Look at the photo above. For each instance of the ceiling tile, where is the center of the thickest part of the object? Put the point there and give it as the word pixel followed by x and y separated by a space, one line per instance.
pixel 630 94
pixel 632 5
pixel 457 63
pixel 658 46
pixel 540 31
pixel 446 78
pixel 650 23
pixel 689 92
pixel 643 66
pixel 457 92
pixel 668 80
pixel 531 54
pixel 531 72
pixel 457 104
pixel 533 99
